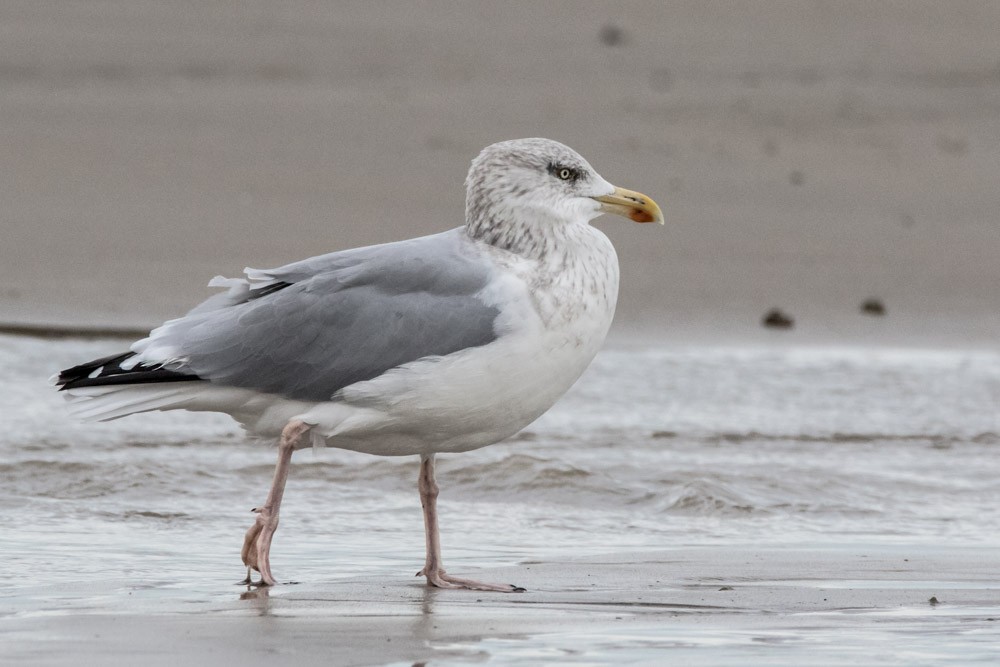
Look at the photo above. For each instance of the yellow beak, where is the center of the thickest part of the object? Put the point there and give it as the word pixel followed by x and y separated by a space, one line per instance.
pixel 633 205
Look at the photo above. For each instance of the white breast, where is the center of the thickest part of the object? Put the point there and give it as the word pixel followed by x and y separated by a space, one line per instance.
pixel 555 314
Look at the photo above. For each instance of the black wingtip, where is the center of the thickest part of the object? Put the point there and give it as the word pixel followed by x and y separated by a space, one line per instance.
pixel 84 370
pixel 108 371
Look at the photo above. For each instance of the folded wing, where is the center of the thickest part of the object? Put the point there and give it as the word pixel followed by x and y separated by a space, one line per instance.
pixel 309 329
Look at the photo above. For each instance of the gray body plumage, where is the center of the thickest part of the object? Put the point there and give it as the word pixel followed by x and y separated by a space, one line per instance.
pixel 441 343
pixel 345 317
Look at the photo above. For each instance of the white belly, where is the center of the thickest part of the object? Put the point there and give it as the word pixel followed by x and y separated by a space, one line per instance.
pixel 467 401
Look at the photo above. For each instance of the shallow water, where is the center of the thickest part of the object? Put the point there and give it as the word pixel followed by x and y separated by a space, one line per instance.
pixel 653 449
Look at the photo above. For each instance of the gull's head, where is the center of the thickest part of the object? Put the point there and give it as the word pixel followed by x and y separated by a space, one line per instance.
pixel 540 182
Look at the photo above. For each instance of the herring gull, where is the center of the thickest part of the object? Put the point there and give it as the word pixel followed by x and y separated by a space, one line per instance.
pixel 443 343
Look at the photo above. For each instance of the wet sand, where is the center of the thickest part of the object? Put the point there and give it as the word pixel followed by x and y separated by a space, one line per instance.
pixel 738 606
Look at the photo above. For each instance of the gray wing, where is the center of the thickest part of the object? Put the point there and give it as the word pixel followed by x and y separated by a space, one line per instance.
pixel 309 329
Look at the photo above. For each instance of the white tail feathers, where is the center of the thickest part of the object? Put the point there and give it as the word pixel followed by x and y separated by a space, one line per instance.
pixel 104 403
pixel 261 414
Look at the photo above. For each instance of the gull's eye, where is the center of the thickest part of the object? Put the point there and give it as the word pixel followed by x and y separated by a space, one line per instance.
pixel 564 173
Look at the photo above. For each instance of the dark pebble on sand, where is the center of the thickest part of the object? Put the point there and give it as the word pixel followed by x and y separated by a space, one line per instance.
pixel 775 319
pixel 612 35
pixel 933 600
pixel 873 307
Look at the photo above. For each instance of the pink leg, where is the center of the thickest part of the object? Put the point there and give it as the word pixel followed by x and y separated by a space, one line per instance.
pixel 257 542
pixel 435 574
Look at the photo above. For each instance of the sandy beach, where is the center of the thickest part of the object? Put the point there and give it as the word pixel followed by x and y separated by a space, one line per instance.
pixel 712 492
pixel 808 156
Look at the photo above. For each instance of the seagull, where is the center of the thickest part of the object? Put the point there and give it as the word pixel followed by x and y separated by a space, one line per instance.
pixel 437 344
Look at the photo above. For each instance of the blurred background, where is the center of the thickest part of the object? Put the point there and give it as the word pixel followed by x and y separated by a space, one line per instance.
pixel 808 155
pixel 831 167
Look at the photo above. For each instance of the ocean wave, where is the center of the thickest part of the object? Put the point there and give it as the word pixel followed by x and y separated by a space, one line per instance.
pixel 985 438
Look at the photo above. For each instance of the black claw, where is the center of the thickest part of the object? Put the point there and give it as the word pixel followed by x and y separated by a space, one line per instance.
pixel 518 589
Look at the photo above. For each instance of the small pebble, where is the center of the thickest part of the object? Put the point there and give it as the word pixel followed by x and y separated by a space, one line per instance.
pixel 775 319
pixel 612 35
pixel 873 307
